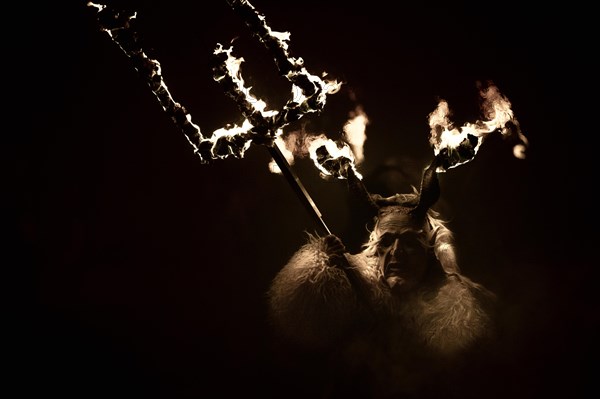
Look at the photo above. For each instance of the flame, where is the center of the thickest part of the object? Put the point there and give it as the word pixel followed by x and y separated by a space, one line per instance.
pixel 336 149
pixel 233 65
pixel 355 132
pixel 463 143
pixel 301 144
pixel 309 92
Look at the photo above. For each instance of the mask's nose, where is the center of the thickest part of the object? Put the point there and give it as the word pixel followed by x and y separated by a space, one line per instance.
pixel 396 249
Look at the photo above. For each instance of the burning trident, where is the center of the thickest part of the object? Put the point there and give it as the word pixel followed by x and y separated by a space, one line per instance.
pixel 452 146
pixel 261 126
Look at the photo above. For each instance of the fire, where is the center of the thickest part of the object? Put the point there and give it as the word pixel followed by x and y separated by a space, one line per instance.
pixel 355 132
pixel 460 145
pixel 332 157
pixel 309 92
pixel 233 67
pixel 300 144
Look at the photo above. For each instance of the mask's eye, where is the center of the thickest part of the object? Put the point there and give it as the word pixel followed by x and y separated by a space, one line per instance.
pixel 412 244
pixel 407 243
pixel 385 242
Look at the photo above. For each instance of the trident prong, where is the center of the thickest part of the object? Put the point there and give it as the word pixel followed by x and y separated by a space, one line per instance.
pixel 308 94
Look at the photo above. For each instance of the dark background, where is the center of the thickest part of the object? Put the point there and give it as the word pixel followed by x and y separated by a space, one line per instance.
pixel 137 271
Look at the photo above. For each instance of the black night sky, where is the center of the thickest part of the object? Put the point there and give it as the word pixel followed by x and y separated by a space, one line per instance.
pixel 137 271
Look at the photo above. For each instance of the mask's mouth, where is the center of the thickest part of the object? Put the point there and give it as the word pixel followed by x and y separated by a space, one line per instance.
pixel 399 276
pixel 396 265
pixel 394 281
pixel 394 274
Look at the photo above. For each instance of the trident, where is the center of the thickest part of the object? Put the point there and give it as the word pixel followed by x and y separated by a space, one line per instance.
pixel 262 127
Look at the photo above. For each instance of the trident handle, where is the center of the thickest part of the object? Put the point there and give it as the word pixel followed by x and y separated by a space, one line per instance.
pixel 297 186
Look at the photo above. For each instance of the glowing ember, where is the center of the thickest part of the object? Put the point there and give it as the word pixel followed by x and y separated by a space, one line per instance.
pixel 460 145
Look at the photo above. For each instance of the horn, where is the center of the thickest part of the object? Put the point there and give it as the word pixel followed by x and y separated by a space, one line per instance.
pixel 358 189
pixel 341 167
pixel 429 192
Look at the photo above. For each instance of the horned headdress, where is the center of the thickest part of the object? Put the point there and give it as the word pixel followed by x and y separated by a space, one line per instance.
pixel 413 204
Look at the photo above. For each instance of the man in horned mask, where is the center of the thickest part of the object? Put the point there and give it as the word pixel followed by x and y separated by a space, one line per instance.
pixel 388 316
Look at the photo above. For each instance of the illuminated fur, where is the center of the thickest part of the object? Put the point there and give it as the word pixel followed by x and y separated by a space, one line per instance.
pixel 314 303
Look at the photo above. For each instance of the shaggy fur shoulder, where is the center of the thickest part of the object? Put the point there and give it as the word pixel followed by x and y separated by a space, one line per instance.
pixel 310 300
